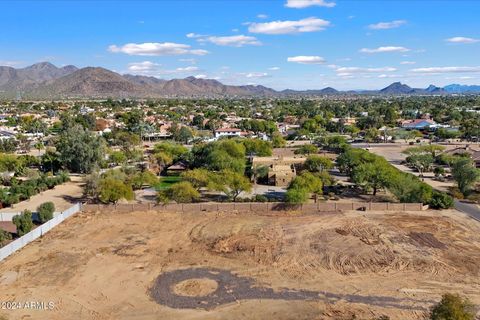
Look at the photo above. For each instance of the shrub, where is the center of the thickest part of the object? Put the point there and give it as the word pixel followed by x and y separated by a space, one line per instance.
pixel 297 195
pixel 441 200
pixel 261 198
pixel 4 237
pixel 112 190
pixel 45 211
pixel 23 222
pixel 452 307
pixel 182 192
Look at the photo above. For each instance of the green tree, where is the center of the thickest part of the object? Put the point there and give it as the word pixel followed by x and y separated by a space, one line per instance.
pixel 51 160
pixel 181 192
pixel 258 147
pixel 117 157
pixel 184 134
pixel 316 163
pixel 111 190
pixel 143 178
pixel 221 155
pixel 423 162
pixel 199 178
pixel 80 150
pixel 302 186
pixel 453 307
pixel 374 175
pixel 23 222
pixel 234 183
pixel 278 141
pixel 297 196
pixel 465 174
pixel 372 134
pixel 45 211
pixel 91 185
pixel 306 149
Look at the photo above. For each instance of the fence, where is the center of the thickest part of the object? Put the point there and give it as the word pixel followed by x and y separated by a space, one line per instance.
pixel 38 232
pixel 258 207
pixel 8 216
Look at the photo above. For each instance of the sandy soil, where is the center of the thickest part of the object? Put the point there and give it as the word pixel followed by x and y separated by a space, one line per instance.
pixel 104 265
pixel 63 196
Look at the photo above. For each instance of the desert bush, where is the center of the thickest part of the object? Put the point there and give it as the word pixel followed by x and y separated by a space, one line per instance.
pixel 441 200
pixel 260 198
pixel 23 222
pixel 45 211
pixel 452 307
pixel 181 192
pixel 4 237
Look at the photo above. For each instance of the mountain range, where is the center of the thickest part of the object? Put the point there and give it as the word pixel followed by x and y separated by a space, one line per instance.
pixel 46 81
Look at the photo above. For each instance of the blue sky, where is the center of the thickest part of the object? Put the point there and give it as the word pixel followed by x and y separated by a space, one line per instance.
pixel 299 44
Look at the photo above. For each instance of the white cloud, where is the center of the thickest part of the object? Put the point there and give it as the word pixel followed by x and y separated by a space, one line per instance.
pixel 10 63
pixel 274 68
pixel 300 4
pixel 194 35
pixel 349 72
pixel 384 49
pixel 364 70
pixel 307 59
pixel 201 76
pixel 187 69
pixel 262 16
pixel 190 60
pixel 387 25
pixel 232 41
pixel 286 27
pixel 463 40
pixel 433 70
pixel 257 75
pixel 383 76
pixel 142 67
pixel 156 49
pixel 407 62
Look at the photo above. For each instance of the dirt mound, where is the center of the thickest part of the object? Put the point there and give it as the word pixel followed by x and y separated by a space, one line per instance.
pixel 195 287
pixel 303 245
pixel 256 240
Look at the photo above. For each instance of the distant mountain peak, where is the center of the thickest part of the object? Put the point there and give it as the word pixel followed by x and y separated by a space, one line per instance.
pixel 397 88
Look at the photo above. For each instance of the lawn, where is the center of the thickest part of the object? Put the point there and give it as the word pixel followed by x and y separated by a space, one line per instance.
pixel 167 181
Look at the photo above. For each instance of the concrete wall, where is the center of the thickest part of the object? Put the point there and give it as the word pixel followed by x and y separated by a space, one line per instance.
pixel 258 207
pixel 38 232
pixel 8 216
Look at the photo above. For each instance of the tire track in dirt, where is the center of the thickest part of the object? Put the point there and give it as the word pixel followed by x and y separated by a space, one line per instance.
pixel 231 288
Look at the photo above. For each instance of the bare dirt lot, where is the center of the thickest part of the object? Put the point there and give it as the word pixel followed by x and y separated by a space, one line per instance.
pixel 150 265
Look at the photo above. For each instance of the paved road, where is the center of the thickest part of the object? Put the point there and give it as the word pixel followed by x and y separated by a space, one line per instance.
pixel 468 208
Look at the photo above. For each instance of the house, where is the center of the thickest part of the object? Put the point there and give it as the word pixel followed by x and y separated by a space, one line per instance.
pixel 474 153
pixel 281 175
pixel 177 168
pixel 419 124
pixel 281 170
pixel 228 132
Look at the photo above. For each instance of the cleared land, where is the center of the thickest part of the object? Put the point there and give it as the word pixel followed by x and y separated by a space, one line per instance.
pixel 241 266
